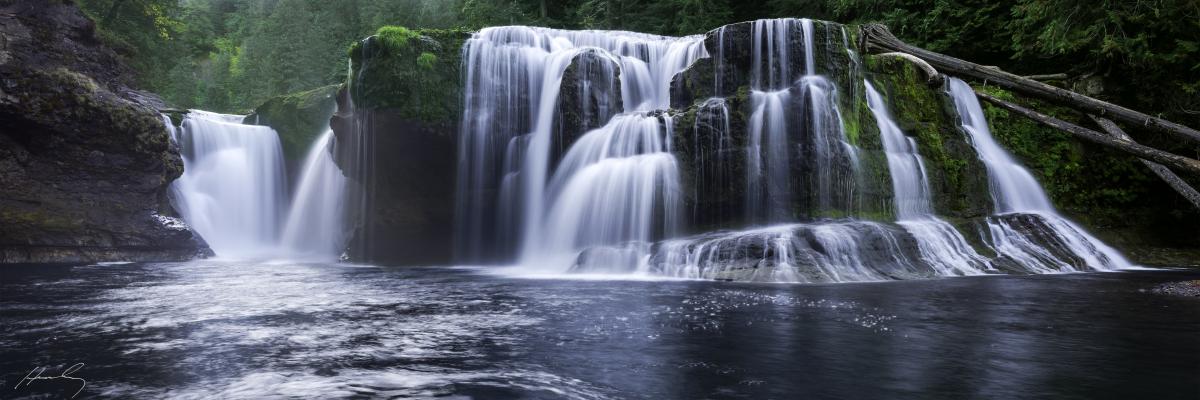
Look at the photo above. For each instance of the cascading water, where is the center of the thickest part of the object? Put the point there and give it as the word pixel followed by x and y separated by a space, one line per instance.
pixel 941 246
pixel 315 227
pixel 554 177
pixel 618 186
pixel 1026 228
pixel 513 80
pixel 777 120
pixel 232 191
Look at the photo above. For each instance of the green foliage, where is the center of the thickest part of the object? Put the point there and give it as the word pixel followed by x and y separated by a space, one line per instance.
pixel 427 60
pixel 420 80
pixel 395 37
pixel 1092 183
pixel 957 178
pixel 230 55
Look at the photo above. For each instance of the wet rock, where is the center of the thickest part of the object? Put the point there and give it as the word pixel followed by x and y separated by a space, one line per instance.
pixel 396 129
pixel 589 95
pixel 84 171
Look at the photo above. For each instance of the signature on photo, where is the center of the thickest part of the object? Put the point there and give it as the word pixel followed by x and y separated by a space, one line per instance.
pixel 37 375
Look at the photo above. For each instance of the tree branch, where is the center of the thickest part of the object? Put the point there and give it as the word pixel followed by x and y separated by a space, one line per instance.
pixel 1175 161
pixel 1177 183
pixel 879 39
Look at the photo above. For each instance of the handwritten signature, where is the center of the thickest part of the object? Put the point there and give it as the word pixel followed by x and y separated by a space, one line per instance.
pixel 36 375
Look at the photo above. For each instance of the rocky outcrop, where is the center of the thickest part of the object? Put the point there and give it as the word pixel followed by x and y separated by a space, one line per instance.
pixel 589 95
pixel 85 161
pixel 298 118
pixel 396 130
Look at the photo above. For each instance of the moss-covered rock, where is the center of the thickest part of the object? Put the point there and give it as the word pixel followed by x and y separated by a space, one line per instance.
pixel 957 178
pixel 396 129
pixel 84 167
pixel 416 73
pixel 298 118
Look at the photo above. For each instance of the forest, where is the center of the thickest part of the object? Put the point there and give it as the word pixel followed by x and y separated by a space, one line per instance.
pixel 231 55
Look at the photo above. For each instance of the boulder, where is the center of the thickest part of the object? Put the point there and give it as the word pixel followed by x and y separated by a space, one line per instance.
pixel 85 161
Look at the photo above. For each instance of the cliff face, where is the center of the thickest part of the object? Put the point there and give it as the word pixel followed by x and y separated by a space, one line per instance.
pixel 395 128
pixel 85 161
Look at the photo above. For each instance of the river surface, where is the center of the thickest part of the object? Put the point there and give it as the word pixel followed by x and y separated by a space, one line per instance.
pixel 269 330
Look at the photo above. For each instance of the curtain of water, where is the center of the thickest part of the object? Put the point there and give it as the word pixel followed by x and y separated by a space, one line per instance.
pixel 513 78
pixel 233 191
pixel 940 245
pixel 1014 190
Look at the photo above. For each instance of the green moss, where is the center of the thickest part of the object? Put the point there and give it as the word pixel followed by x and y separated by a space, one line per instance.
pixel 957 177
pixel 396 37
pixel 41 219
pixel 419 79
pixel 1092 183
pixel 427 60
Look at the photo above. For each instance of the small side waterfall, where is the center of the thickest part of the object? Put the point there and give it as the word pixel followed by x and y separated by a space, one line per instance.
pixel 315 228
pixel 232 191
pixel 941 246
pixel 1026 228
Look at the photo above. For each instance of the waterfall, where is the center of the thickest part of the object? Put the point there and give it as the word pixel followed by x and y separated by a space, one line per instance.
pixel 315 227
pixel 940 245
pixel 232 191
pixel 617 186
pixel 768 159
pixel 513 79
pixel 786 106
pixel 567 164
pixel 1026 228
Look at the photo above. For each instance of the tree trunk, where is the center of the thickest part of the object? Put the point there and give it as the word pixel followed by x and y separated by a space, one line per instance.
pixel 1177 183
pixel 1172 160
pixel 1048 77
pixel 878 39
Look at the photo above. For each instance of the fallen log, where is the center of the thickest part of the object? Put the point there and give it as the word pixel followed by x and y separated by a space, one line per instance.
pixel 1175 161
pixel 878 39
pixel 1172 180
pixel 932 77
pixel 1047 77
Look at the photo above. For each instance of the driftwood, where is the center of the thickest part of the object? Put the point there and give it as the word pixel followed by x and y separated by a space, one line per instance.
pixel 878 39
pixel 932 77
pixel 1175 161
pixel 1177 183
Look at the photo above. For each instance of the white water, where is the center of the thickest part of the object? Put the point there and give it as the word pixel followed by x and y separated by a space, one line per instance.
pixel 315 227
pixel 513 77
pixel 843 251
pixel 617 186
pixel 783 125
pixel 233 192
pixel 1014 190
pixel 768 159
pixel 940 245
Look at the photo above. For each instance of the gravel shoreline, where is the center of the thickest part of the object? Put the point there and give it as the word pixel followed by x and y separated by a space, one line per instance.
pixel 1183 288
